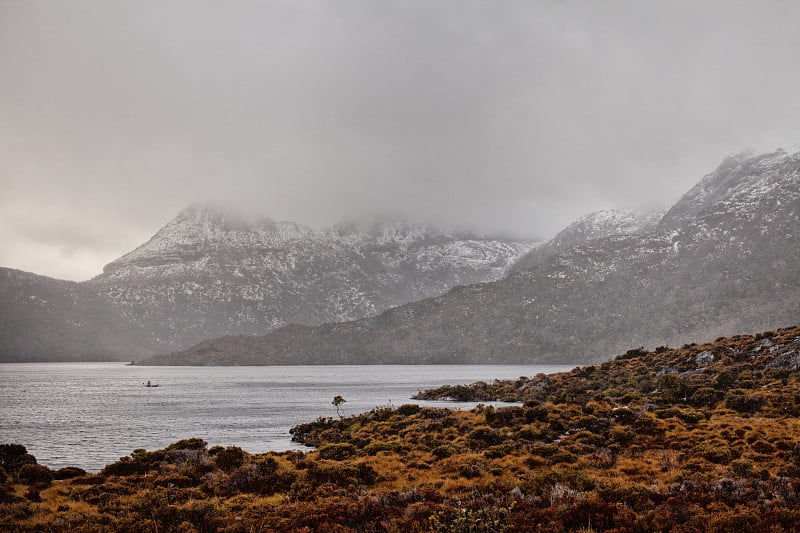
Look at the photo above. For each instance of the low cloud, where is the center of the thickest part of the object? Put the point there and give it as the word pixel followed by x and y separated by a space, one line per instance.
pixel 515 117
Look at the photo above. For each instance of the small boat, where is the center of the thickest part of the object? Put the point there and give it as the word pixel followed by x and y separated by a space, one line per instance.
pixel 148 384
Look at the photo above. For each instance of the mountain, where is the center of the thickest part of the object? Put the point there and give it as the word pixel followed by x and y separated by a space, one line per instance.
pixel 45 319
pixel 209 273
pixel 590 227
pixel 724 259
pixel 736 173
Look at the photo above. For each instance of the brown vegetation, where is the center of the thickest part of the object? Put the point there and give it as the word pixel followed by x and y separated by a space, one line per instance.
pixel 701 438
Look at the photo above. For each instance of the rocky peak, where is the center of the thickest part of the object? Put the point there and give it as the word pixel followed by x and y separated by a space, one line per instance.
pixel 211 216
pixel 732 267
pixel 735 174
pixel 199 231
pixel 597 225
pixel 209 272
pixel 605 223
pixel 385 230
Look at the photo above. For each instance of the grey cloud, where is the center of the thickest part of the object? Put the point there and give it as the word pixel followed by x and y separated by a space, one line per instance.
pixel 514 117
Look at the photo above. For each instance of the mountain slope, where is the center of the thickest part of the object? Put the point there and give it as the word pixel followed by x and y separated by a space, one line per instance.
pixel 736 173
pixel 595 225
pixel 45 319
pixel 731 266
pixel 208 273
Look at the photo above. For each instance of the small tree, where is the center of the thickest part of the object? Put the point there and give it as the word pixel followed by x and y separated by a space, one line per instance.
pixel 337 402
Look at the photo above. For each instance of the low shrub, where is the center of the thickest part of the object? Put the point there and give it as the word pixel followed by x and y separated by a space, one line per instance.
pixel 705 397
pixel 335 473
pixel 443 451
pixel 229 459
pixel 33 473
pixel 14 456
pixel 470 471
pixel 742 467
pixel 258 477
pixel 743 402
pixel 540 482
pixel 375 447
pixel 68 472
pixel 408 409
pixel 337 451
pixel 188 444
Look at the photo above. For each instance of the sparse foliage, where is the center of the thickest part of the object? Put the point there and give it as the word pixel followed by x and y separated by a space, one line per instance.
pixel 337 402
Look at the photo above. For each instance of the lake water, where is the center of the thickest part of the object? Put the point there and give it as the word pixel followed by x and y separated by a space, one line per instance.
pixel 90 414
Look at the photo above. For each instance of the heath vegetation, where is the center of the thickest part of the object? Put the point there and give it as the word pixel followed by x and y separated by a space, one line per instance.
pixel 697 438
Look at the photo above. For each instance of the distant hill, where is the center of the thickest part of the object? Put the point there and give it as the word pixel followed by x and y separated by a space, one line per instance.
pixel 725 258
pixel 209 273
pixel 45 319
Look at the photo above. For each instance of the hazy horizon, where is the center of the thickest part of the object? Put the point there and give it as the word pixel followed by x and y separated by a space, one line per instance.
pixel 512 118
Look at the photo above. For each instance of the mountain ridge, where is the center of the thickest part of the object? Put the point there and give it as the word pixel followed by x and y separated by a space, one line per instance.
pixel 732 267
pixel 205 274
pixel 67 315
pixel 595 225
pixel 208 273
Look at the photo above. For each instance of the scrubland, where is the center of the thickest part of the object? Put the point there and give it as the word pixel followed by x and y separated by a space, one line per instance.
pixel 697 438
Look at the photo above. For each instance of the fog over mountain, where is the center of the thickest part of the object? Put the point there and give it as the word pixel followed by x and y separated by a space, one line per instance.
pixel 209 273
pixel 514 118
pixel 723 259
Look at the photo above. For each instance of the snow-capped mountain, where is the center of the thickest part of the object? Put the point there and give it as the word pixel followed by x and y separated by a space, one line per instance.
pixel 725 259
pixel 736 175
pixel 595 225
pixel 209 273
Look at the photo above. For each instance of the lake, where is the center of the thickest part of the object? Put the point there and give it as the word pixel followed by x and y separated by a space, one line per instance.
pixel 90 414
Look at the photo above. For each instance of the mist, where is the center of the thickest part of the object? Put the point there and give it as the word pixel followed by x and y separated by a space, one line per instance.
pixel 512 118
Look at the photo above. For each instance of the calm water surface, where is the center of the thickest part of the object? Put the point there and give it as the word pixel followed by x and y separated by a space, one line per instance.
pixel 90 414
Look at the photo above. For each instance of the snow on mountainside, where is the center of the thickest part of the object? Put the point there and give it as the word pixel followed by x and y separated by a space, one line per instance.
pixel 736 173
pixel 597 225
pixel 726 261
pixel 208 273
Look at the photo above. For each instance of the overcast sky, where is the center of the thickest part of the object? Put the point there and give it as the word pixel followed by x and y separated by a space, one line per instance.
pixel 513 117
